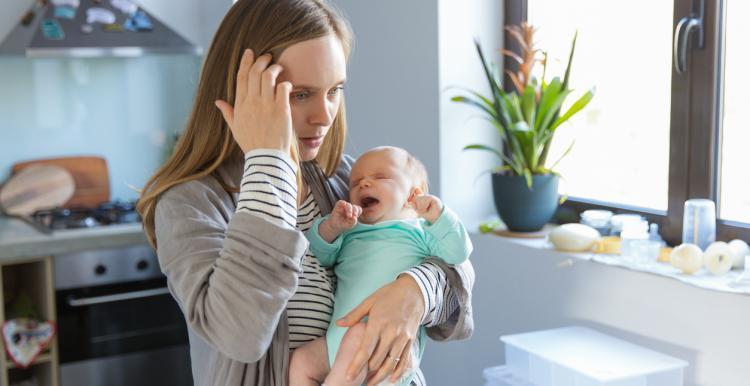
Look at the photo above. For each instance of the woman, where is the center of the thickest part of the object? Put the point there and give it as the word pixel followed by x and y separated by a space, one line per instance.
pixel 226 212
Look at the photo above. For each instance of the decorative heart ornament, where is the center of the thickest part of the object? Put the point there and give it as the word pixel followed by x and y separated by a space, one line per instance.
pixel 26 338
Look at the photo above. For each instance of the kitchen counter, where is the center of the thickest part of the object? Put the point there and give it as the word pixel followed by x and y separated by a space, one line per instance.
pixel 19 240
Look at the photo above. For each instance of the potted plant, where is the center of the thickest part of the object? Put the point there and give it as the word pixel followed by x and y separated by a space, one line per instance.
pixel 525 189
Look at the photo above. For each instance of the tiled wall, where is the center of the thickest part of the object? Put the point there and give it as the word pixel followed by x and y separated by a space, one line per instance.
pixel 125 110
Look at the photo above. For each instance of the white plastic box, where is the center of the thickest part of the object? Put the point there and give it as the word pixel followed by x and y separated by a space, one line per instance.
pixel 502 376
pixel 579 356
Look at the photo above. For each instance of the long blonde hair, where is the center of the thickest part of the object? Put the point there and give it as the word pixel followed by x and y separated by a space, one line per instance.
pixel 265 26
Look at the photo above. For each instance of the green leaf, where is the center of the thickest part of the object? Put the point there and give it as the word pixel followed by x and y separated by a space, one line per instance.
pixel 527 175
pixel 548 98
pixel 570 147
pixel 570 61
pixel 575 108
pixel 553 110
pixel 528 105
pixel 475 103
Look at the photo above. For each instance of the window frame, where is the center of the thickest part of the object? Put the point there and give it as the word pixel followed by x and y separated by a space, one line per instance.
pixel 694 167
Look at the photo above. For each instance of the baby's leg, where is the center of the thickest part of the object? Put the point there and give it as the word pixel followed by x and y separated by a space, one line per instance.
pixel 345 356
pixel 309 364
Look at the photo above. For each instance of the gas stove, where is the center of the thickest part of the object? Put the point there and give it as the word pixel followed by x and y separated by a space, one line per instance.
pixel 107 213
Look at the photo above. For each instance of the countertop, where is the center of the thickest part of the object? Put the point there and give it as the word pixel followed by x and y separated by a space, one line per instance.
pixel 19 241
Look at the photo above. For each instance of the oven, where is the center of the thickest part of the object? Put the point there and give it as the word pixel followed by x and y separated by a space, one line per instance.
pixel 117 322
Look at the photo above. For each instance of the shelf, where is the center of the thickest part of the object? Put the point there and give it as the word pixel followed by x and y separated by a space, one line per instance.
pixel 43 358
pixel 701 279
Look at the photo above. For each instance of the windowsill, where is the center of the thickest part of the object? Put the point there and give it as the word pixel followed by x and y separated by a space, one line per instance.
pixel 701 279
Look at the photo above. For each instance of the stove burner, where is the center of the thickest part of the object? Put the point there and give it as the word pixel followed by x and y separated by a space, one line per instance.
pixel 115 212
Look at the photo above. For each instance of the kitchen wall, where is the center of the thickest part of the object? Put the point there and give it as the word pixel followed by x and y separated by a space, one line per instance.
pixel 124 109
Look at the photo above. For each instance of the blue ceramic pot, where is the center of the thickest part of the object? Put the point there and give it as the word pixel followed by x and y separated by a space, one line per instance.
pixel 523 209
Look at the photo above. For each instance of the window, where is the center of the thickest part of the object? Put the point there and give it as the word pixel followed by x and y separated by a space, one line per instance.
pixel 624 131
pixel 652 137
pixel 734 189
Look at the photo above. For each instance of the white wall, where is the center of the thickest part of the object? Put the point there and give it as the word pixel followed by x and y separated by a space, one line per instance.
pixel 465 186
pixel 392 88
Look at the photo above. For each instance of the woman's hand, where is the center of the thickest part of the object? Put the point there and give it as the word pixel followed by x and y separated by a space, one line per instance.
pixel 261 117
pixel 394 313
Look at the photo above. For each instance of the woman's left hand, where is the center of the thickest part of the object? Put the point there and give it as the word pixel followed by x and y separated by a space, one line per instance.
pixel 393 313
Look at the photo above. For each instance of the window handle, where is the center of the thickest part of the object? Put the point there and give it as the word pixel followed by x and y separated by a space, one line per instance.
pixel 687 25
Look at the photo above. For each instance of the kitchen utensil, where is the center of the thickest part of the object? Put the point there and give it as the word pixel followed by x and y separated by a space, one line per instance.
pixel 699 222
pixel 90 174
pixel 35 188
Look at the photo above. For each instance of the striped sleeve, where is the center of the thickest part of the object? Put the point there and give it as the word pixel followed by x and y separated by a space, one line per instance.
pixel 269 187
pixel 438 298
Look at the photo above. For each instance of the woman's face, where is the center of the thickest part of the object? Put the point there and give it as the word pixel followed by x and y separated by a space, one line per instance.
pixel 317 70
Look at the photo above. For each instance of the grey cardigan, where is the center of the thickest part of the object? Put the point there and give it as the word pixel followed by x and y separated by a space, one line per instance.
pixel 233 273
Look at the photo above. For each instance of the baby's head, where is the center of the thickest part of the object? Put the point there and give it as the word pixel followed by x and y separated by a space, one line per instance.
pixel 383 181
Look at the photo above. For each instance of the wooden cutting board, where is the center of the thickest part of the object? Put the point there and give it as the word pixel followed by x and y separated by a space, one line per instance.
pixel 90 174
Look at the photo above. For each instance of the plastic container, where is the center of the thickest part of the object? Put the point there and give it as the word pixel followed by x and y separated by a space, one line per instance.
pixel 579 356
pixel 699 222
pixel 618 221
pixel 502 376
pixel 597 219
pixel 632 232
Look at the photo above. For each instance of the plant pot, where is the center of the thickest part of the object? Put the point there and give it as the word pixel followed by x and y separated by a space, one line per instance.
pixel 523 209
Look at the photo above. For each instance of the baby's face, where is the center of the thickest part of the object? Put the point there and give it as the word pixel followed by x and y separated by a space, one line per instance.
pixel 381 184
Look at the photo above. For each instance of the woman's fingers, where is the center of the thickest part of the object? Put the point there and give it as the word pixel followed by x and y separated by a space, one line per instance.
pixel 383 350
pixel 254 75
pixel 385 369
pixel 242 75
pixel 404 363
pixel 268 81
pixel 227 111
pixel 357 313
pixel 382 366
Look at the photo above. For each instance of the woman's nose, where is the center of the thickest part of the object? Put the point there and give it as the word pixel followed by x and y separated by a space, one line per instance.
pixel 322 114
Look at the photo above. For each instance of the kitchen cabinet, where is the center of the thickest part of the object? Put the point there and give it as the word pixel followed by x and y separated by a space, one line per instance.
pixel 33 276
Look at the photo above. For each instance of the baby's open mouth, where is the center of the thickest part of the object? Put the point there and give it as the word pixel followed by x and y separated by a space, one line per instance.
pixel 369 201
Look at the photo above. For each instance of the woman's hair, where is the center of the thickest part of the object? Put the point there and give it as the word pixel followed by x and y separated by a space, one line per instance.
pixel 265 26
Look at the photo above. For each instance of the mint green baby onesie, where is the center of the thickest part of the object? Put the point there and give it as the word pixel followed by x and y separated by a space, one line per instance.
pixel 370 256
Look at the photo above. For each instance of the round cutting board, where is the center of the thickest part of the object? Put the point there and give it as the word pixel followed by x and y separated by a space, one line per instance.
pixel 35 188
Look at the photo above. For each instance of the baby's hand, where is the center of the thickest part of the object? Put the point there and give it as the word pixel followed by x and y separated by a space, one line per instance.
pixel 428 207
pixel 344 216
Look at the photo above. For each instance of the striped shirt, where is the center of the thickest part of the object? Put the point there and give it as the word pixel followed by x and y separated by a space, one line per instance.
pixel 269 189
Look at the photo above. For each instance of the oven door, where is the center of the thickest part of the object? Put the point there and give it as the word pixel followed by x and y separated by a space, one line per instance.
pixel 123 330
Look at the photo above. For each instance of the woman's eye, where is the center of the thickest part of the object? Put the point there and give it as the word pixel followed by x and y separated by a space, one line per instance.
pixel 300 96
pixel 335 90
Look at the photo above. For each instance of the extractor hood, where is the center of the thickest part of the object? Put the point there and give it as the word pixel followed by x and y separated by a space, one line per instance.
pixel 92 28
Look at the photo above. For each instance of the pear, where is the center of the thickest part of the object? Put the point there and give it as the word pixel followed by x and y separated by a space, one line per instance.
pixel 739 249
pixel 718 258
pixel 687 257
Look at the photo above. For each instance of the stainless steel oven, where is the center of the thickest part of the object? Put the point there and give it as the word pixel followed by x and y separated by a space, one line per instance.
pixel 117 322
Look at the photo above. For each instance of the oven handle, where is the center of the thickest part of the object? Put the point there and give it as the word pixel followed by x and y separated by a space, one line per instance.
pixel 83 302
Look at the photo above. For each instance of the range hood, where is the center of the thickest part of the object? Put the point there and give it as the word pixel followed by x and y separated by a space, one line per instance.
pixel 49 30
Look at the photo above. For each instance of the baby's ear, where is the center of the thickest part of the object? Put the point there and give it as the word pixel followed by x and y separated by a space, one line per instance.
pixel 415 192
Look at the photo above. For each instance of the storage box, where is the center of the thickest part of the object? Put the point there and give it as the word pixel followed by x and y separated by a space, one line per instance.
pixel 502 376
pixel 579 356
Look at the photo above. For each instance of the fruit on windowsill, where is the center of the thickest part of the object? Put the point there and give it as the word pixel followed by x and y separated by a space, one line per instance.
pixel 665 254
pixel 687 257
pixel 718 258
pixel 574 237
pixel 739 249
